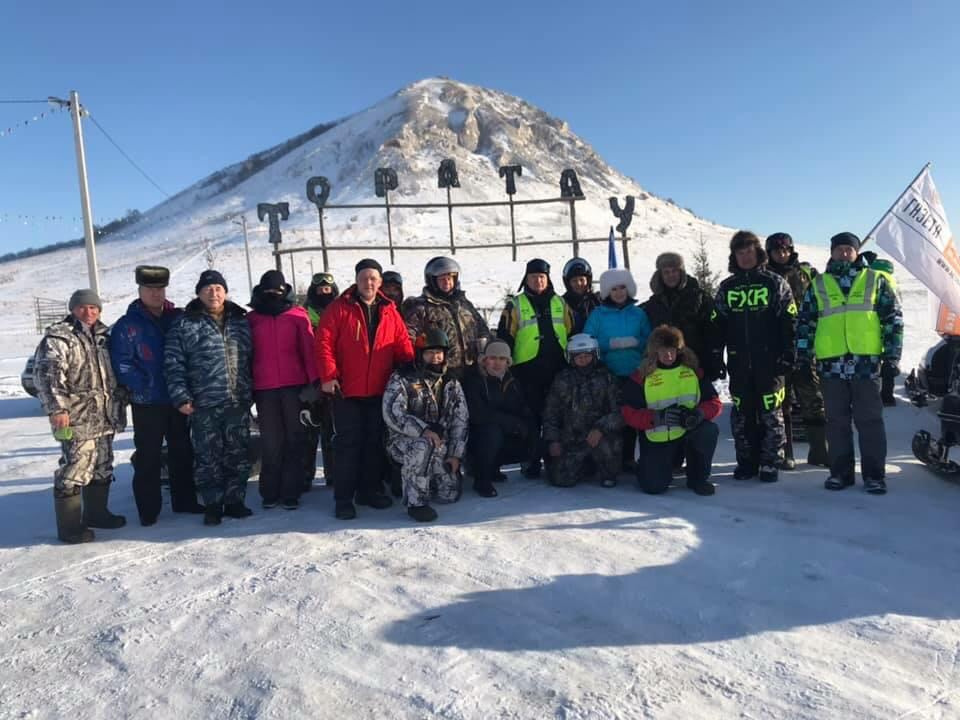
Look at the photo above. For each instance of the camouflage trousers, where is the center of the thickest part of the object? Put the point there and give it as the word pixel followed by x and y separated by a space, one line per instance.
pixel 422 471
pixel 806 389
pixel 574 463
pixel 757 425
pixel 221 465
pixel 83 462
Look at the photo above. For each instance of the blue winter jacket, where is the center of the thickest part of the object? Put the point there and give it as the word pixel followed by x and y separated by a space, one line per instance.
pixel 136 352
pixel 609 321
pixel 206 365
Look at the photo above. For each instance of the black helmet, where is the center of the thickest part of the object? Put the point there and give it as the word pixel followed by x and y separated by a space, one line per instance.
pixel 438 266
pixel 392 276
pixel 577 267
pixel 432 338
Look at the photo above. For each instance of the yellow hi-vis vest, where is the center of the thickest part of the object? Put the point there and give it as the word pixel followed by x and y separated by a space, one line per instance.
pixel 847 324
pixel 526 344
pixel 663 388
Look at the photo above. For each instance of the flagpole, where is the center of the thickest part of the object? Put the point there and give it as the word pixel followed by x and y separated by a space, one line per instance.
pixel 867 237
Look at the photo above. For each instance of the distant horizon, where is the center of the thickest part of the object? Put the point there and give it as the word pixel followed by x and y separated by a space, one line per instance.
pixel 805 120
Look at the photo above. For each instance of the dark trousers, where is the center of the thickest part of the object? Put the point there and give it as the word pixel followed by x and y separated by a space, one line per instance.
pixel 321 437
pixel 282 441
pixel 489 447
pixel 856 400
pixel 535 381
pixel 757 419
pixel 151 424
pixel 655 466
pixel 358 446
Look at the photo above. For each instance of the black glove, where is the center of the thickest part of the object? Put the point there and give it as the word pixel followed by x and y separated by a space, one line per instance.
pixel 803 371
pixel 889 369
pixel 674 416
pixel 692 418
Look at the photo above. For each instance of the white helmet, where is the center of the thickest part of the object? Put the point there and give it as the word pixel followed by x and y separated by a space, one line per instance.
pixel 582 343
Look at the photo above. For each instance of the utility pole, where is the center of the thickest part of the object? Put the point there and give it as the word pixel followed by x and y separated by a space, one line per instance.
pixel 246 248
pixel 76 112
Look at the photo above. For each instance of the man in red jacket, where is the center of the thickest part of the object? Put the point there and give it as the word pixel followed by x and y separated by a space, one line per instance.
pixel 360 340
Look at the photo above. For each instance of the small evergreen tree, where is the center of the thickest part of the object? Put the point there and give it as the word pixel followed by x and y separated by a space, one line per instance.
pixel 701 269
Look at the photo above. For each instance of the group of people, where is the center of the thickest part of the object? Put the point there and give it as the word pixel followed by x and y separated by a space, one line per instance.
pixel 406 396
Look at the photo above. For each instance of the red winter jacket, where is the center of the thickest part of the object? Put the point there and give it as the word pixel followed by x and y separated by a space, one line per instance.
pixel 343 346
pixel 283 353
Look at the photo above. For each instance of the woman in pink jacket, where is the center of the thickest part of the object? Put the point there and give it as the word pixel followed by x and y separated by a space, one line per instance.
pixel 283 364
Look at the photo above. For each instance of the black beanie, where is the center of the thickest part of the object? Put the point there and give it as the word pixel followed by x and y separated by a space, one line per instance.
pixel 845 238
pixel 366 264
pixel 779 240
pixel 273 280
pixel 210 277
pixel 537 265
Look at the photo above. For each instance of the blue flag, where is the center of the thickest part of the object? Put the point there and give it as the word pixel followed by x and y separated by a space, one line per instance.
pixel 612 251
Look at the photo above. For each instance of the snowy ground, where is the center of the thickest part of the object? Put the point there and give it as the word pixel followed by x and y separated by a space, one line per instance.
pixel 780 601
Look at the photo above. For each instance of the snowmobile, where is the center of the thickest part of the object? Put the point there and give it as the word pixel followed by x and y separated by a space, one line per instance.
pixel 938 378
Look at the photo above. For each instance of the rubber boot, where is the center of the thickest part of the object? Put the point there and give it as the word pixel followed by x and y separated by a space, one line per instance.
pixel 70 527
pixel 817 437
pixel 95 513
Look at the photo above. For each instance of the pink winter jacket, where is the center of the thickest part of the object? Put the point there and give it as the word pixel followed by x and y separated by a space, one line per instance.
pixel 282 349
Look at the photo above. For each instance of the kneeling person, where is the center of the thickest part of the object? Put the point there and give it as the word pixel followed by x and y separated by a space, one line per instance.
pixel 426 416
pixel 581 421
pixel 668 399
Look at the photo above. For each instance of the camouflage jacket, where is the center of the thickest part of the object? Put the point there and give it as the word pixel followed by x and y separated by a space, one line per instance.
pixel 207 365
pixel 73 373
pixel 414 402
pixel 581 400
pixel 457 317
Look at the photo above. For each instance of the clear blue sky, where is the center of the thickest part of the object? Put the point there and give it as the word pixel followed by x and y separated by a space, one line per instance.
pixel 806 117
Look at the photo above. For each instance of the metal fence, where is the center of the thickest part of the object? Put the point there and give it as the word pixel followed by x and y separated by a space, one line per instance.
pixel 48 312
pixel 385 181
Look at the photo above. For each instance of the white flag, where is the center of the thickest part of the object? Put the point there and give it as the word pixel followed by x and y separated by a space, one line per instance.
pixel 916 233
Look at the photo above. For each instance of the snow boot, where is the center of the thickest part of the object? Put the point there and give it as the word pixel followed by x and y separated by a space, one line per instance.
pixel 422 513
pixel 769 474
pixel 836 483
pixel 376 500
pixel 531 470
pixel 237 510
pixel 484 489
pixel 213 514
pixel 345 511
pixel 190 508
pixel 875 486
pixel 744 472
pixel 817 437
pixel 70 527
pixel 702 487
pixel 95 513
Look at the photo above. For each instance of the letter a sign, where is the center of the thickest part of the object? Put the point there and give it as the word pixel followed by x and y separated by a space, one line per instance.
pixel 917 235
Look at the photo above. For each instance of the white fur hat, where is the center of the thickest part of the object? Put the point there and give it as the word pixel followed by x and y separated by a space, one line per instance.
pixel 617 276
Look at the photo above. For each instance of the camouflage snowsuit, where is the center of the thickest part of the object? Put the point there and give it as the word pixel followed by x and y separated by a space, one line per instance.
pixel 209 366
pixel 73 374
pixel 412 403
pixel 581 400
pixel 457 317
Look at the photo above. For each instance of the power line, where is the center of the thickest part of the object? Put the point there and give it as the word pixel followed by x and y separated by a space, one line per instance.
pixel 23 102
pixel 128 158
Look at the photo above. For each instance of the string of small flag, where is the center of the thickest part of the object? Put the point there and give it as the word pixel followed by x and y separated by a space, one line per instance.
pixel 23 123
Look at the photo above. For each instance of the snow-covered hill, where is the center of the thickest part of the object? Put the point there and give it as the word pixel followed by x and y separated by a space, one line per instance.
pixel 411 131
